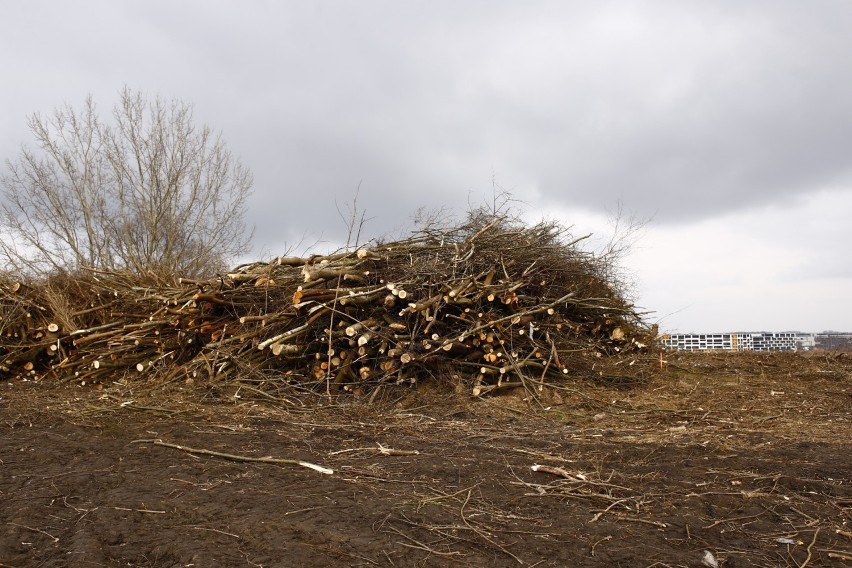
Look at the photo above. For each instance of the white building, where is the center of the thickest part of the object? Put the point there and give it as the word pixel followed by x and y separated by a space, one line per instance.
pixel 740 341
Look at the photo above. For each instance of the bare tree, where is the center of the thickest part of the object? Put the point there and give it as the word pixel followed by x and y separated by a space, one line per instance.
pixel 148 191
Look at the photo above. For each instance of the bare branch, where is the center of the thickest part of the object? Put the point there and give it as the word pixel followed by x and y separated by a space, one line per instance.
pixel 149 191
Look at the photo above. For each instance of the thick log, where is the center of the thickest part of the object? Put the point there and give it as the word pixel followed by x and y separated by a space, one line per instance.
pixel 287 350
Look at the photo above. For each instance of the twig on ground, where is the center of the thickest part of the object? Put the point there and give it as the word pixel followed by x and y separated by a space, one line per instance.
pixel 810 548
pixel 55 539
pixel 422 546
pixel 623 517
pixel 234 457
pixel 385 451
pixel 482 534
pixel 604 539
pixel 605 511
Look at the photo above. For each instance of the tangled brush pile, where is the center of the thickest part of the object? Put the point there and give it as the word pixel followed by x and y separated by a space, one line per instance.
pixel 486 304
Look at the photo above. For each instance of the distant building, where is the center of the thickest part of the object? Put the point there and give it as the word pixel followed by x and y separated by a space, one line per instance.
pixel 833 341
pixel 740 341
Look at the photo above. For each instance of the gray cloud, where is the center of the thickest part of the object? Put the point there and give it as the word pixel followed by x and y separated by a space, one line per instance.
pixel 687 110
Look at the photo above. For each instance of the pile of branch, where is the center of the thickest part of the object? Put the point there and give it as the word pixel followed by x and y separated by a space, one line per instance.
pixel 488 304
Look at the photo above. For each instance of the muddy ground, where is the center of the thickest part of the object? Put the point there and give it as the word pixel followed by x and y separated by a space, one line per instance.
pixel 728 461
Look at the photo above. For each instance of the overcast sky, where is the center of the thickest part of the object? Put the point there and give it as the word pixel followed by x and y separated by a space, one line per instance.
pixel 726 124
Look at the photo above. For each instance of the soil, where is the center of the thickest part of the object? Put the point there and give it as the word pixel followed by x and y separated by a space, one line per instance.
pixel 715 461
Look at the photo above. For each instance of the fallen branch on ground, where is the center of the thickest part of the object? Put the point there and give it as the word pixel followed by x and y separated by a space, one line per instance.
pixel 234 457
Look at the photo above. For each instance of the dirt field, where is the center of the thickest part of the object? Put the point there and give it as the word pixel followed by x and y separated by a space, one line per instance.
pixel 717 461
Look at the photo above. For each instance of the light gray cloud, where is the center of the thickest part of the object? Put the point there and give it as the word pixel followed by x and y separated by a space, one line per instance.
pixel 680 108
